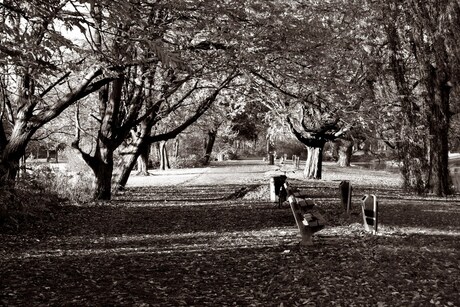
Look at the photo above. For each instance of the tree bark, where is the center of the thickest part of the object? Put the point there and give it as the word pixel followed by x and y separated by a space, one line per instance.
pixel 143 161
pixel 103 177
pixel 345 151
pixel 13 152
pixel 164 160
pixel 438 123
pixel 209 146
pixel 125 168
pixel 313 165
pixel 129 159
pixel 176 147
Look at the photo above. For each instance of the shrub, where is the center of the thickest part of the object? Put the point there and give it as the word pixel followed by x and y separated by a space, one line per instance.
pixel 28 203
pixel 191 161
pixel 71 180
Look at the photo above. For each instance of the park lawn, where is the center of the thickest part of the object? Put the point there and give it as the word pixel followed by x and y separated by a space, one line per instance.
pixel 211 245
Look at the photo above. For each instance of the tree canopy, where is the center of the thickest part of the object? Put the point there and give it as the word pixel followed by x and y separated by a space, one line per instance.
pixel 322 68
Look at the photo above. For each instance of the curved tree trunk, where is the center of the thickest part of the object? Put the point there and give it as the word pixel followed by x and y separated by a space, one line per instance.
pixel 12 153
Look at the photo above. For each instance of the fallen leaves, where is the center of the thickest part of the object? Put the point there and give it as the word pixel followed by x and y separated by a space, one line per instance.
pixel 142 251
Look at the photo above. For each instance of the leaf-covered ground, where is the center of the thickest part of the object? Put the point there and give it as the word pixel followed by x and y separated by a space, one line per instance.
pixel 222 244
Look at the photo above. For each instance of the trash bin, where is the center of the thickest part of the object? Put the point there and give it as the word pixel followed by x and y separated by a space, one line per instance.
pixel 276 182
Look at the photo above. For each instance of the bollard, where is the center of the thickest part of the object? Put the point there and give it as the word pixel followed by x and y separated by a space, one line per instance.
pixel 370 213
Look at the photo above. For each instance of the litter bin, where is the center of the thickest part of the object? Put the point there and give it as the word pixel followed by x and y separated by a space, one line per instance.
pixel 276 182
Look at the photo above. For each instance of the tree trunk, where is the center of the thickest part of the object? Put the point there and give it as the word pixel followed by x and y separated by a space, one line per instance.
pixel 12 153
pixel 143 161
pixel 438 123
pixel 103 170
pixel 102 162
pixel 139 150
pixel 176 147
pixel 127 165
pixel 345 149
pixel 313 165
pixel 164 160
pixel 210 144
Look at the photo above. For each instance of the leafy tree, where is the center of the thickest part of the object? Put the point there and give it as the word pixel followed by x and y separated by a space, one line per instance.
pixel 42 74
pixel 304 71
pixel 422 53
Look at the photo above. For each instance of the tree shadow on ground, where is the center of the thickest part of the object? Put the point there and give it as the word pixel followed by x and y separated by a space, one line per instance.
pixel 231 252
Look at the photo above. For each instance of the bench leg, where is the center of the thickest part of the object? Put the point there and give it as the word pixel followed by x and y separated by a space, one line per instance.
pixel 307 235
pixel 305 231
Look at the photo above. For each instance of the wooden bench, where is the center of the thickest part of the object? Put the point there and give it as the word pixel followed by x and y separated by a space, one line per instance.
pixel 308 220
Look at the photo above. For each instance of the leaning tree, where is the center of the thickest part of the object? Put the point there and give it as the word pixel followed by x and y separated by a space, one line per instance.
pixel 42 74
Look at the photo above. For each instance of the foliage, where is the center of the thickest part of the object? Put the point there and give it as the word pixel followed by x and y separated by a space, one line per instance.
pixel 418 45
pixel 187 161
pixel 31 204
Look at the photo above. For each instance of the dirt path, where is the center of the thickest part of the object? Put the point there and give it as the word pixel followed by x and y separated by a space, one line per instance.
pixel 242 172
pixel 219 173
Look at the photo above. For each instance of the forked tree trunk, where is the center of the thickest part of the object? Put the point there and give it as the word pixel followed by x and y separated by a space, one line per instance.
pixel 313 165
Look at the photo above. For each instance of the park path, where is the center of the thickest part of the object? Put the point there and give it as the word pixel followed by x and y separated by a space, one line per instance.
pixel 218 173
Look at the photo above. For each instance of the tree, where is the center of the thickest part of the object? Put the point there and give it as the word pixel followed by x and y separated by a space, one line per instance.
pixel 38 80
pixel 422 54
pixel 146 138
pixel 308 81
pixel 124 104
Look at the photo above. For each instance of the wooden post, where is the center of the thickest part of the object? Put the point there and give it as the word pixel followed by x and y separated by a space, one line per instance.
pixel 370 213
pixel 345 195
pixel 276 182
